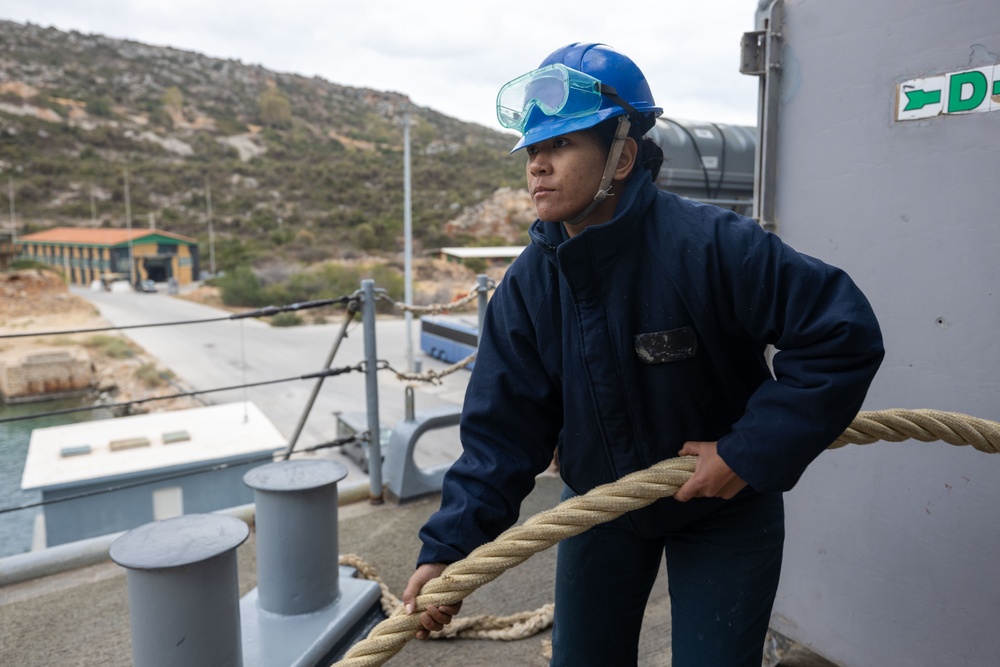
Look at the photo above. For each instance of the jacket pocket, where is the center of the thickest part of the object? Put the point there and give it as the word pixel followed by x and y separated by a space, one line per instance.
pixel 662 347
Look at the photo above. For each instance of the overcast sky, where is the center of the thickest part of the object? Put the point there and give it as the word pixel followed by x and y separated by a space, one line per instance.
pixel 449 55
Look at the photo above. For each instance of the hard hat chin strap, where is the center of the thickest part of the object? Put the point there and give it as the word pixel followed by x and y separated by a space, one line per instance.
pixel 644 123
pixel 603 192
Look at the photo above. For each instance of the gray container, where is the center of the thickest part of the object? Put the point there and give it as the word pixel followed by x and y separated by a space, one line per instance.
pixel 711 162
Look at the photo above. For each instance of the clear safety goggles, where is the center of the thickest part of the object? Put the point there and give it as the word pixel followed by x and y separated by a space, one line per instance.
pixel 555 89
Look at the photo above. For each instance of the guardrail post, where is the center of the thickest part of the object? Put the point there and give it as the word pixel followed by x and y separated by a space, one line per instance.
pixel 183 590
pixel 484 297
pixel 371 386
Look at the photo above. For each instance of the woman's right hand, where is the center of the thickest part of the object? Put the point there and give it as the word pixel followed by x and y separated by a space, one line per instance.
pixel 435 617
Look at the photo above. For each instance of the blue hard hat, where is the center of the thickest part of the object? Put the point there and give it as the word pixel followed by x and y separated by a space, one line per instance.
pixel 609 67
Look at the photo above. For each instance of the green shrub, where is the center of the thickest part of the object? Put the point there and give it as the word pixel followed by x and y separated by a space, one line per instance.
pixel 476 264
pixel 241 287
pixel 115 347
pixel 23 264
pixel 275 109
pixel 328 281
pixel 151 376
pixel 231 253
pixel 286 320
pixel 280 237
pixel 276 294
pixel 100 106
pixel 388 278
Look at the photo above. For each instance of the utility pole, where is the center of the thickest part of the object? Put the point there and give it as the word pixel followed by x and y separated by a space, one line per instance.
pixel 407 242
pixel 128 226
pixel 211 232
pixel 93 207
pixel 10 197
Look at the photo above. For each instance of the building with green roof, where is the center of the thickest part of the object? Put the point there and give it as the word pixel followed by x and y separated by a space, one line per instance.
pixel 86 255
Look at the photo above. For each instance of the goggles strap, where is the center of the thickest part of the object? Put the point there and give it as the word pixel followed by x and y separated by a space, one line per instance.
pixel 644 123
pixel 617 145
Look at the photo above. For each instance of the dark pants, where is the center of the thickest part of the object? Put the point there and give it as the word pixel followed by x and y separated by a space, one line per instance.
pixel 722 572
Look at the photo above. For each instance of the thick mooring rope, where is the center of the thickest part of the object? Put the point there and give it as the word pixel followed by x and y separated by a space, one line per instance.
pixel 631 492
pixel 923 425
pixel 497 628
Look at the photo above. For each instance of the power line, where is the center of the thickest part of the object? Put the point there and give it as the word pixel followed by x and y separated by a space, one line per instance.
pixel 118 328
pixel 266 311
pixel 329 372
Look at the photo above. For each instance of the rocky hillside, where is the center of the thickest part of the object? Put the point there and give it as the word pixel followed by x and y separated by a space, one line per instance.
pixel 502 219
pixel 296 167
pixel 25 294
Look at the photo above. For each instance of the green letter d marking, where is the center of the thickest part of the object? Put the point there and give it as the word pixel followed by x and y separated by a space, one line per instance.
pixel 979 88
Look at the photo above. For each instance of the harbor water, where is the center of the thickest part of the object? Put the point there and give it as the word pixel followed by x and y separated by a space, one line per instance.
pixel 16 527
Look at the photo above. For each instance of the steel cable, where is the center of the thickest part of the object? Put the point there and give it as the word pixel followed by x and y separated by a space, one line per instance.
pixel 266 311
pixel 124 404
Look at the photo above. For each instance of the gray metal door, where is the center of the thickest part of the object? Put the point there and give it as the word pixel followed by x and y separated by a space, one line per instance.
pixel 886 162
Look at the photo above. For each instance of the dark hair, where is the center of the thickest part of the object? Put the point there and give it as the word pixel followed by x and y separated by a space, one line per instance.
pixel 650 155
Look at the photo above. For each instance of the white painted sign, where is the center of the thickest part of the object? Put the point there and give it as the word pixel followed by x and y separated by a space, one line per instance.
pixel 969 91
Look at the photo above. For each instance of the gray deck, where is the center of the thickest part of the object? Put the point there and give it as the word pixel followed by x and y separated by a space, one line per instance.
pixel 81 618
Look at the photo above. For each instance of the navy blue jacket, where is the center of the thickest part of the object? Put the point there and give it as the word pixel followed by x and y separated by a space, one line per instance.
pixel 640 334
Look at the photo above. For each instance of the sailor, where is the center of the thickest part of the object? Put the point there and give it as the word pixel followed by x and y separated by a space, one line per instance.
pixel 635 328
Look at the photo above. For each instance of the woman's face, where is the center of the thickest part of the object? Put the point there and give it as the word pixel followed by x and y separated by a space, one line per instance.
pixel 564 174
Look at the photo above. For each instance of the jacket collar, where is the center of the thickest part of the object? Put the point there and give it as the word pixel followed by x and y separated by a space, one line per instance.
pixel 604 239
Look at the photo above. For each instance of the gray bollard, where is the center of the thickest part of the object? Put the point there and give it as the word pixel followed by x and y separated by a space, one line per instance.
pixel 297 546
pixel 183 590
pixel 306 609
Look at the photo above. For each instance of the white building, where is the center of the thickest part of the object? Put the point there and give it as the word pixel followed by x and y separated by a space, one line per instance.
pixel 159 465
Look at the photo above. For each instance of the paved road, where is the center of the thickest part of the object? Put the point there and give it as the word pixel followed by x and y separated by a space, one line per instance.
pixel 229 353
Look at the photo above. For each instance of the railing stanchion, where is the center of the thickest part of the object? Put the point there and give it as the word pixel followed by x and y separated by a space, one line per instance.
pixel 484 297
pixel 371 385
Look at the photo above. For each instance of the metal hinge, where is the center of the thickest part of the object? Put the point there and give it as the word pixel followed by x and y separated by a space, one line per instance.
pixel 752 53
pixel 760 56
